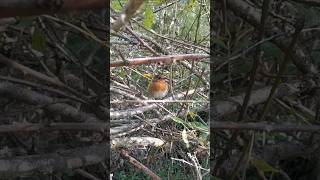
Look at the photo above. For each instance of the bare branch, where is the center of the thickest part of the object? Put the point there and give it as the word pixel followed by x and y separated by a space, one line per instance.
pixel 165 59
pixel 27 127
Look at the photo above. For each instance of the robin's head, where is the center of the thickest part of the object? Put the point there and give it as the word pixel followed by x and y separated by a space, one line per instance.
pixel 160 77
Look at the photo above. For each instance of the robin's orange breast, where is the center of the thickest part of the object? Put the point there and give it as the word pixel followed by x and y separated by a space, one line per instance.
pixel 158 88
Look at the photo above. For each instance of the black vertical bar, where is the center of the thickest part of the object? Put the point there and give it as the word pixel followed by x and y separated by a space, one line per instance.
pixel 107 83
pixel 211 94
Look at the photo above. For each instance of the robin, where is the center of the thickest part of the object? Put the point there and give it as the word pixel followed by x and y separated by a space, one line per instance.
pixel 159 87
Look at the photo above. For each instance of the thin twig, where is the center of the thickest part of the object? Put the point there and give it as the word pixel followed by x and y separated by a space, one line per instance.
pixel 139 165
pixel 263 20
pixel 86 174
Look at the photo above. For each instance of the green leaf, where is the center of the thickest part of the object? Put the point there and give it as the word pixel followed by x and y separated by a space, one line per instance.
pixel 122 73
pixel 148 18
pixel 117 5
pixel 191 4
pixel 184 136
pixel 38 41
pixel 203 137
pixel 263 166
pixel 177 120
pixel 200 126
pixel 192 114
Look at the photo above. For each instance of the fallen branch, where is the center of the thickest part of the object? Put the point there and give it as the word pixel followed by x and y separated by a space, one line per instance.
pixel 58 161
pixel 9 90
pixel 39 86
pixel 130 142
pixel 230 105
pixel 28 127
pixel 28 72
